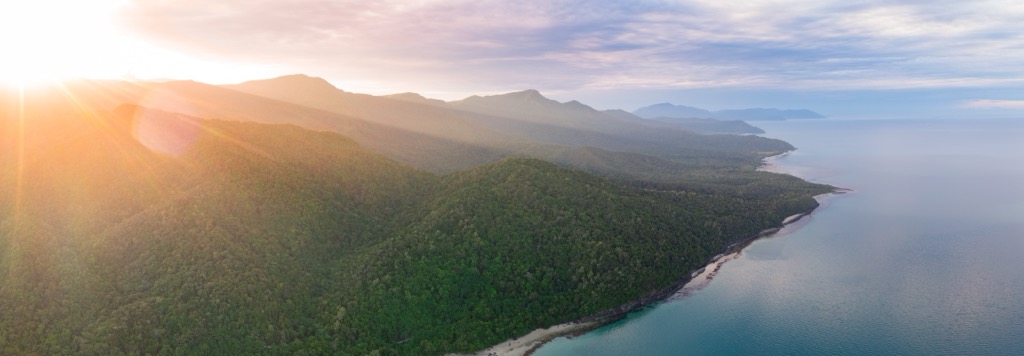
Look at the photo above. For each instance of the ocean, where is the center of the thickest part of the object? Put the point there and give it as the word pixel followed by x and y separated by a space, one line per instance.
pixel 923 257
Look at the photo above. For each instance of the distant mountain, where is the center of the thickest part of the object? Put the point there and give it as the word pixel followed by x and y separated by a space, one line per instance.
pixel 573 123
pixel 416 115
pixel 403 132
pixel 295 86
pixel 672 111
pixel 415 98
pixel 530 105
pixel 666 110
pixel 523 123
pixel 445 137
pixel 621 114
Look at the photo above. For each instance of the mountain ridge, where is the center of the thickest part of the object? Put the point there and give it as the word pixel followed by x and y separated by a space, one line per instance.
pixel 261 237
pixel 527 123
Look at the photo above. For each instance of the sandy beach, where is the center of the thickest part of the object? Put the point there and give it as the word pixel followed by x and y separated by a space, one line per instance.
pixel 526 343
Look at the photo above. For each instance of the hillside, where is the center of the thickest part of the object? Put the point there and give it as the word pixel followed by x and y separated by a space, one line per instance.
pixel 444 137
pixel 415 144
pixel 139 231
pixel 526 123
pixel 109 247
pixel 530 114
pixel 523 243
pixel 672 111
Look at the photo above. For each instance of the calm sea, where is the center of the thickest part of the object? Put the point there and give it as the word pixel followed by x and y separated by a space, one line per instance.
pixel 925 257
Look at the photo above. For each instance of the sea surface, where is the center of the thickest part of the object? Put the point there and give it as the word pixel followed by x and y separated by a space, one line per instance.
pixel 924 257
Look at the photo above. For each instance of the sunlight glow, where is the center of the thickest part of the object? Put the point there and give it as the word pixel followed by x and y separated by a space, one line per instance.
pixel 50 40
pixel 165 133
pixel 45 40
pixel 19 178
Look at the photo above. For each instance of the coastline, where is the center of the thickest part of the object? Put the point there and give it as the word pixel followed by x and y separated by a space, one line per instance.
pixel 694 280
pixel 527 344
pixel 768 164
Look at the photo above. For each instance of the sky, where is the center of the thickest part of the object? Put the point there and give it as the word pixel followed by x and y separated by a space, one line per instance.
pixel 840 58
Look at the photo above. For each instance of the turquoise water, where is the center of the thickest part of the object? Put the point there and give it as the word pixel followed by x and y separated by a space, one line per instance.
pixel 923 258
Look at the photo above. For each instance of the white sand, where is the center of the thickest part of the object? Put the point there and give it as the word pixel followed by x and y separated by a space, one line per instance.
pixel 520 345
pixel 792 218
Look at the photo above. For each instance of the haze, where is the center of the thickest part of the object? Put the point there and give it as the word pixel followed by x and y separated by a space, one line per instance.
pixel 271 177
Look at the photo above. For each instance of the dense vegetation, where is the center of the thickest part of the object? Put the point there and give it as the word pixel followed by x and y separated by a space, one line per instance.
pixel 257 238
pixel 520 244
pixel 108 247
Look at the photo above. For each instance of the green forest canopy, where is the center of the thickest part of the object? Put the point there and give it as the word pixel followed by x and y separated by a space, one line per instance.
pixel 260 238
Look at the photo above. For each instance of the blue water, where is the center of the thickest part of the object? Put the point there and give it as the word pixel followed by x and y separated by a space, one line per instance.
pixel 923 258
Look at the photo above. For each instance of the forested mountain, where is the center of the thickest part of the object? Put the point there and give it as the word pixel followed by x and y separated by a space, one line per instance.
pixel 127 229
pixel 441 137
pixel 522 243
pixel 672 111
pixel 445 137
pixel 403 139
pixel 571 134
pixel 572 123
pixel 108 246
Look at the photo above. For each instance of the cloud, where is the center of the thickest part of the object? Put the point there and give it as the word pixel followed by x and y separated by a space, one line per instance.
pixel 562 45
pixel 995 104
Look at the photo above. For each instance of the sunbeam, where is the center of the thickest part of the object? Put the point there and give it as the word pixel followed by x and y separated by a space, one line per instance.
pixel 110 131
pixel 20 155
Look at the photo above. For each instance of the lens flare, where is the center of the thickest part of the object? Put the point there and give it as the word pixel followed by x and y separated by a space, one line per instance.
pixel 166 123
pixel 165 133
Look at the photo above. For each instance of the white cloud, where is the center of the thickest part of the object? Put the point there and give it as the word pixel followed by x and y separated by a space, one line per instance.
pixel 559 45
pixel 995 104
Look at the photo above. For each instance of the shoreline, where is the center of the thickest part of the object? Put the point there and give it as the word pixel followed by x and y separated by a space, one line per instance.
pixel 527 344
pixel 768 164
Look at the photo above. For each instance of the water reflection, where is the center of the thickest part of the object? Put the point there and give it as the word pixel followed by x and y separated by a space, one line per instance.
pixel 923 258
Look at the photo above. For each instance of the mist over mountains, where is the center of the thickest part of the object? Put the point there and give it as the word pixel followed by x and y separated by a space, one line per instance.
pixel 523 123
pixel 669 111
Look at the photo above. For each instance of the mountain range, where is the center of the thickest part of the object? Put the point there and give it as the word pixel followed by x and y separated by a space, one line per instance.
pixel 288 216
pixel 517 123
pixel 447 137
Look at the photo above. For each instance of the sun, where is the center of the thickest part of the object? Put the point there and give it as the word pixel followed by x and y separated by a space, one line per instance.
pixel 48 40
pixel 45 41
pixel 25 66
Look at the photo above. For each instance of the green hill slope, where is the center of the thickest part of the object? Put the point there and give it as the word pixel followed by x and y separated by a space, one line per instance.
pixel 527 124
pixel 109 247
pixel 141 231
pixel 443 137
pixel 522 244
